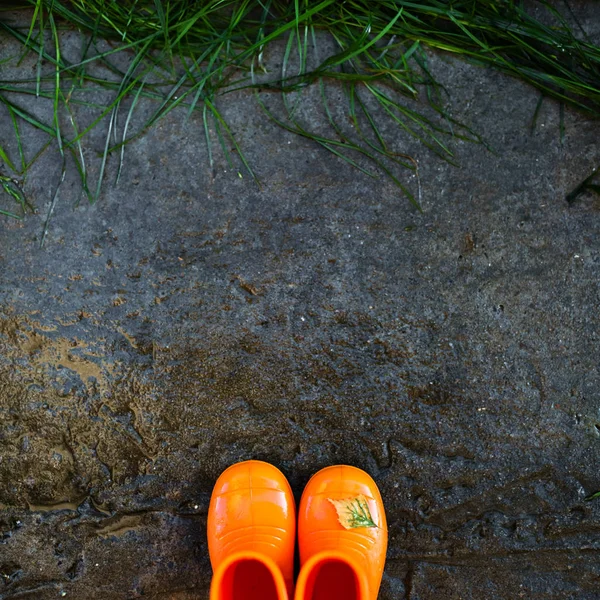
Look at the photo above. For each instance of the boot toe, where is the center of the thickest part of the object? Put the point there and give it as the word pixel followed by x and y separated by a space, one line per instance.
pixel 342 513
pixel 252 510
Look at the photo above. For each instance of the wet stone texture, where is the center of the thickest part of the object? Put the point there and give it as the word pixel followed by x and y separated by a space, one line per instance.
pixel 191 319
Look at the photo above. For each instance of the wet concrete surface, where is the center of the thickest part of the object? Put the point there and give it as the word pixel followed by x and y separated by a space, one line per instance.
pixel 191 319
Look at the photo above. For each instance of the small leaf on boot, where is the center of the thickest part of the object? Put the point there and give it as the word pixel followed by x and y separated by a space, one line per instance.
pixel 353 512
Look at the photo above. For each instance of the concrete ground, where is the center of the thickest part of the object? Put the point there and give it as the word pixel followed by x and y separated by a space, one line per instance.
pixel 191 319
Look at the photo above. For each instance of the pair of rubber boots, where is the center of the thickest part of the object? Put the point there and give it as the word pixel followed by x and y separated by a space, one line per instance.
pixel 342 535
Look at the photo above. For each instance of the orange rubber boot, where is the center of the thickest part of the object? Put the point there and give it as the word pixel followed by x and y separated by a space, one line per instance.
pixel 251 532
pixel 342 536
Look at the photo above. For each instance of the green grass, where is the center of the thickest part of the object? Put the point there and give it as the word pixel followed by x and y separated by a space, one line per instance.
pixel 185 54
pixel 587 185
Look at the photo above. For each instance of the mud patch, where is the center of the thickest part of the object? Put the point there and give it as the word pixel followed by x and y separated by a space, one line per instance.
pixel 24 339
